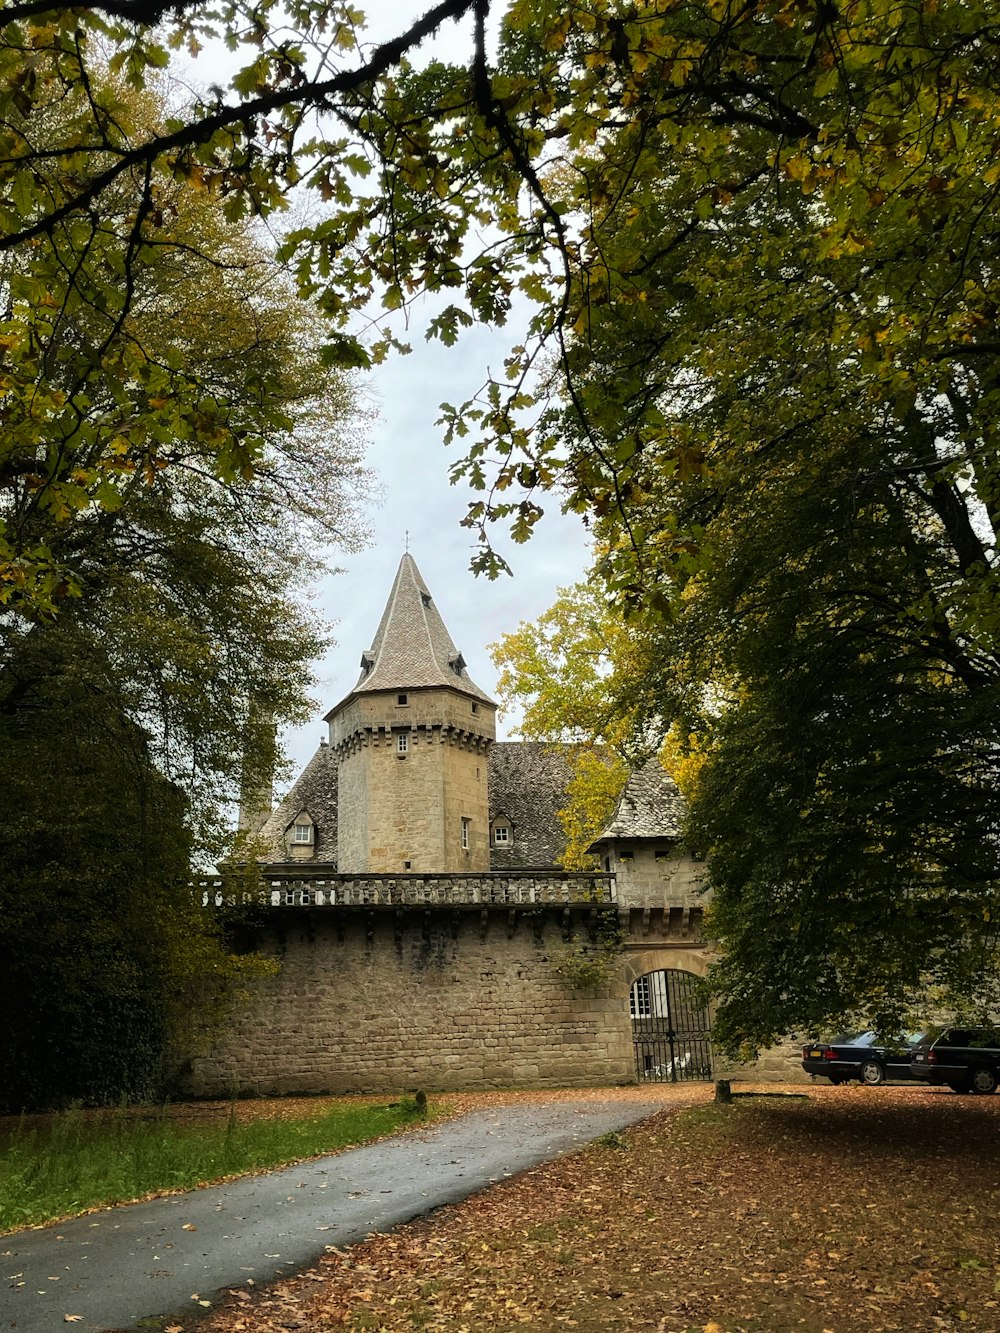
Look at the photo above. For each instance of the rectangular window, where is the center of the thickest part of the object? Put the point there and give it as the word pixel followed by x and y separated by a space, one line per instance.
pixel 501 833
pixel 640 1000
pixel 302 833
pixel 402 699
pixel 466 823
pixel 402 742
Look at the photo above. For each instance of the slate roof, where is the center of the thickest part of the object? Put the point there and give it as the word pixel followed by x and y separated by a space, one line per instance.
pixel 315 791
pixel 528 785
pixel 649 807
pixel 412 647
pixel 527 779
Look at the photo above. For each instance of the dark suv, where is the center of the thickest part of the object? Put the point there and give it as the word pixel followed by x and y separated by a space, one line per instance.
pixel 966 1059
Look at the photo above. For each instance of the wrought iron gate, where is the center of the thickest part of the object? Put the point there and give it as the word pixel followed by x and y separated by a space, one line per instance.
pixel 670 1028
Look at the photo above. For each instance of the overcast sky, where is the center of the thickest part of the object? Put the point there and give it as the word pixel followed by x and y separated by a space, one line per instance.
pixel 412 464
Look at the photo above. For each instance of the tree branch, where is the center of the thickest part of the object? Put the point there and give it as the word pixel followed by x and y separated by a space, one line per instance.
pixel 245 113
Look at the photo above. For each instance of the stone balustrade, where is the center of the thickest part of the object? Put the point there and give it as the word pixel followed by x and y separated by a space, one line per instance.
pixel 304 889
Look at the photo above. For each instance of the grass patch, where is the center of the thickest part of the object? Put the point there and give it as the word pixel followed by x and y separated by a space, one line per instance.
pixel 79 1160
pixel 710 1114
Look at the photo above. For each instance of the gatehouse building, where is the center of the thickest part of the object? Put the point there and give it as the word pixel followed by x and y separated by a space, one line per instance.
pixel 412 894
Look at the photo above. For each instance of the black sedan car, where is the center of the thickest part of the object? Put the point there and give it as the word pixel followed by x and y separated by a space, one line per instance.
pixel 862 1056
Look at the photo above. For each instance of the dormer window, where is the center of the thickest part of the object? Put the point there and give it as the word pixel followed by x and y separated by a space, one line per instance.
pixel 425 597
pixel 367 662
pixel 457 664
pixel 503 834
pixel 300 836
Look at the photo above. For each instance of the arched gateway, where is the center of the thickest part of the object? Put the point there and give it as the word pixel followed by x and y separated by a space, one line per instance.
pixel 670 1028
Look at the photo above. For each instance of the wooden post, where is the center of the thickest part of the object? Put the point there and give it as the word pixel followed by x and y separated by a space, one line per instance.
pixel 723 1090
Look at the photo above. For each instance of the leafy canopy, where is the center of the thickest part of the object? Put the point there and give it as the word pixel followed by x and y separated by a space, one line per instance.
pixel 188 571
pixel 760 243
pixel 113 971
pixel 154 610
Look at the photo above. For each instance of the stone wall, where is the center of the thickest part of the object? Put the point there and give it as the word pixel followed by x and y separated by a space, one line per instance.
pixel 389 1001
pixel 647 876
pixel 352 811
pixel 464 772
pixel 390 983
pixel 779 1064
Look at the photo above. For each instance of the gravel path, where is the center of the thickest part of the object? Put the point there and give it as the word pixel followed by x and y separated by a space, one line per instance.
pixel 113 1268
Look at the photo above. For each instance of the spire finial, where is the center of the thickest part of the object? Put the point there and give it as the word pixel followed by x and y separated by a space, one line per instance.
pixel 406 541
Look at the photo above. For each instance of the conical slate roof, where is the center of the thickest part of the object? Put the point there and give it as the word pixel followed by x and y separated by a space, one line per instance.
pixel 649 807
pixel 412 647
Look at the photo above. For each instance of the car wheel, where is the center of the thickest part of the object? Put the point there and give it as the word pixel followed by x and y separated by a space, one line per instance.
pixel 982 1081
pixel 871 1073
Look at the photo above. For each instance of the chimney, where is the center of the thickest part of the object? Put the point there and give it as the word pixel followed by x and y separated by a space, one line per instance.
pixel 257 781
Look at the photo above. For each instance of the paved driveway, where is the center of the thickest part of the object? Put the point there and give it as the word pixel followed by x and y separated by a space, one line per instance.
pixel 137 1261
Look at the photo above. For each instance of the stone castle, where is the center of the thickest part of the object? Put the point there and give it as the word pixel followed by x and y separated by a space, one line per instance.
pixel 427 935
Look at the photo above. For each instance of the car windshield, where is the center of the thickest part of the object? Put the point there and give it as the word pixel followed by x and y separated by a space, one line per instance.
pixel 868 1039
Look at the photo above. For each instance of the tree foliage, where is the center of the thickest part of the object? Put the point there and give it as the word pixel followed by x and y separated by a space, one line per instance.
pixel 179 459
pixel 198 461
pixel 778 408
pixel 127 356
pixel 113 972
pixel 783 419
pixel 576 673
pixel 760 240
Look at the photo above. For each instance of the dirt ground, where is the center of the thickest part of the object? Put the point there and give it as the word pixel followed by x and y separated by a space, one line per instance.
pixel 828 1210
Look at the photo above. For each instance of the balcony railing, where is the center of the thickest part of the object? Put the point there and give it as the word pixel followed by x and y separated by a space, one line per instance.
pixel 507 888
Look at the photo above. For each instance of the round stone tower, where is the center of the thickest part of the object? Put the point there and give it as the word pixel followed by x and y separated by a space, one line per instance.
pixel 411 742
